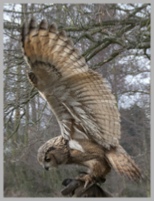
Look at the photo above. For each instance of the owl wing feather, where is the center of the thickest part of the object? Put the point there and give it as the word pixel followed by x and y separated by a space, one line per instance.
pixel 75 93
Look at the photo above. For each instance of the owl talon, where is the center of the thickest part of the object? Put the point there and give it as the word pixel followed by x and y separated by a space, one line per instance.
pixel 87 179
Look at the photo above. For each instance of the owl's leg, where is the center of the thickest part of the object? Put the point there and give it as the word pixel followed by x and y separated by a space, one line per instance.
pixel 98 169
pixel 87 179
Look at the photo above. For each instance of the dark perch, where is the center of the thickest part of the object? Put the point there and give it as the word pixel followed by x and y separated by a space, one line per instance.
pixel 75 188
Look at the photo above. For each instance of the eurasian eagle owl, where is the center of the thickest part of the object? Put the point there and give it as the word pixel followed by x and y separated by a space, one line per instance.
pixel 80 99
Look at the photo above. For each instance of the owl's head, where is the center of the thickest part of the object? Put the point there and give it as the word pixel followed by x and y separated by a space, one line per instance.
pixel 53 153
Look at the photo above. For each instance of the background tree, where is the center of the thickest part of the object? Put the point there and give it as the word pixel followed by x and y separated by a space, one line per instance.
pixel 115 40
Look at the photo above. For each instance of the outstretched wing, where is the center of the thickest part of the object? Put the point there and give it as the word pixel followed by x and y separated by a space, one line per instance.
pixel 78 96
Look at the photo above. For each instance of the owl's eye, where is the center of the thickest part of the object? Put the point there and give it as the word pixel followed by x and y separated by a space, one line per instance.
pixel 47 159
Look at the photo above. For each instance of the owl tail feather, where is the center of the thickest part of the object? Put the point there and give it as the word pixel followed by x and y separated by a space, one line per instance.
pixel 123 164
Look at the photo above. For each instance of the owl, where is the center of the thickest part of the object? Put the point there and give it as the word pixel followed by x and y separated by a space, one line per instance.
pixel 80 99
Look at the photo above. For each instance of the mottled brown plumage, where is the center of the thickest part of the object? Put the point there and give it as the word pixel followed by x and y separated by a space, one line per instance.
pixel 79 97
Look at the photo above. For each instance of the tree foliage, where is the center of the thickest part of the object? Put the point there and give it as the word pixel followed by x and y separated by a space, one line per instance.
pixel 115 40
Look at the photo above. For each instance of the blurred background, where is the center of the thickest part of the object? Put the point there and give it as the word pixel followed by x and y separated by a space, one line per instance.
pixel 115 40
